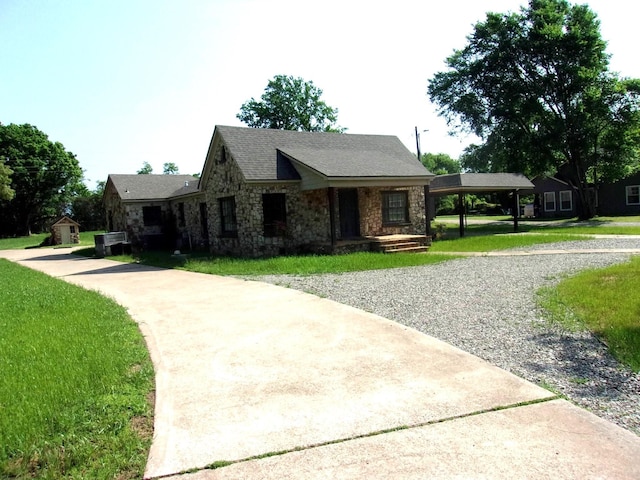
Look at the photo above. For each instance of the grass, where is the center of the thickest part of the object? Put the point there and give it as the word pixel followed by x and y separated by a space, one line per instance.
pixel 605 301
pixel 294 265
pixel 486 243
pixel 33 241
pixel 76 382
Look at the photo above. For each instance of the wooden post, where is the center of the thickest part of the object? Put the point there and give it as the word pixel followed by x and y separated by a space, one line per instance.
pixel 516 210
pixel 461 206
pixel 332 216
pixel 426 211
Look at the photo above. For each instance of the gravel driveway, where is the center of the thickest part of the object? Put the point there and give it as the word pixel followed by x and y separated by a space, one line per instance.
pixel 487 306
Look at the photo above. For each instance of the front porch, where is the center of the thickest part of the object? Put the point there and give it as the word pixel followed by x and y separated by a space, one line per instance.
pixel 395 243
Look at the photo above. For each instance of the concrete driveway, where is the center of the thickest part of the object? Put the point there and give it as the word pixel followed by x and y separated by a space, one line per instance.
pixel 267 382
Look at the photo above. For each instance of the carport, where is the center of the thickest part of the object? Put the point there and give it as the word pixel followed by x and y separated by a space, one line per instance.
pixel 463 183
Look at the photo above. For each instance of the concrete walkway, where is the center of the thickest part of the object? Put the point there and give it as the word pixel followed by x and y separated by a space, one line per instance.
pixel 271 383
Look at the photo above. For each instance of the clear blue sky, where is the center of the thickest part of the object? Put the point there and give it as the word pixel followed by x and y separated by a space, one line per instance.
pixel 121 82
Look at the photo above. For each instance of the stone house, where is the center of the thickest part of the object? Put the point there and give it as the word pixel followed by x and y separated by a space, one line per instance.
pixel 156 211
pixel 267 192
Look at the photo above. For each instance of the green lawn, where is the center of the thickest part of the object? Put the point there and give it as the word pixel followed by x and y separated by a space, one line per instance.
pixel 487 243
pixel 295 265
pixel 76 382
pixel 606 301
pixel 33 241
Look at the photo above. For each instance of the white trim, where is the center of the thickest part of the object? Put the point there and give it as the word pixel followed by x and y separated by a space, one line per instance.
pixel 628 193
pixel 570 200
pixel 545 201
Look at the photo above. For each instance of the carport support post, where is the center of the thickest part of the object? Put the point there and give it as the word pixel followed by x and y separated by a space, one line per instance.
pixel 516 210
pixel 461 207
pixel 426 211
pixel 332 216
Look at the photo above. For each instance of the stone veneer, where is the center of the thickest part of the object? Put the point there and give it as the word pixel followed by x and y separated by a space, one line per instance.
pixel 308 219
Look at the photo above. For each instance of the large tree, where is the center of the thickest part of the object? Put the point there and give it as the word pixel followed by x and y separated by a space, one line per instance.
pixel 44 177
pixel 440 163
pixel 170 168
pixel 87 208
pixel 6 192
pixel 290 103
pixel 535 86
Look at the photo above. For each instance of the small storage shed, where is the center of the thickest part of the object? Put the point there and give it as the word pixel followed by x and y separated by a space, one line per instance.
pixel 65 231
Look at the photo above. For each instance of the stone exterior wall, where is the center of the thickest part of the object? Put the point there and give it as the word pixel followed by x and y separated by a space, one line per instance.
pixel 370 204
pixel 190 234
pixel 128 217
pixel 307 214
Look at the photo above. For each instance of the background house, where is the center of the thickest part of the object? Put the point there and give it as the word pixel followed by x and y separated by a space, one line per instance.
pixel 621 197
pixel 554 198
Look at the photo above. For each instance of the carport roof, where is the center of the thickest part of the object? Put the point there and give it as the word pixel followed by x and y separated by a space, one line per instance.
pixel 478 182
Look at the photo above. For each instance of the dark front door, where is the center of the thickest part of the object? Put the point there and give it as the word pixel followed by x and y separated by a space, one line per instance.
pixel 349 213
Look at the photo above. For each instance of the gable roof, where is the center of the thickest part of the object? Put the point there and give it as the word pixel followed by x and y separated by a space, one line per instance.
pixel 64 220
pixel 479 182
pixel 148 187
pixel 272 155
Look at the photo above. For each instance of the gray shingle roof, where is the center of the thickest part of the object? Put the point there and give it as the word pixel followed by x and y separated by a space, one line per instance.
pixel 153 187
pixel 479 182
pixel 255 150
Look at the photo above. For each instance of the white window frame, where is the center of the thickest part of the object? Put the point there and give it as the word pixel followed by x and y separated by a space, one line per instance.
pixel 629 191
pixel 564 193
pixel 553 195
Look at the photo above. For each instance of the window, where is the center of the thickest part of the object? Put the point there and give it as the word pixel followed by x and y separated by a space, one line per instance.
pixel 181 214
pixel 222 158
pixel 204 222
pixel 633 194
pixel 274 212
pixel 395 207
pixel 549 201
pixel 152 216
pixel 566 202
pixel 72 229
pixel 228 223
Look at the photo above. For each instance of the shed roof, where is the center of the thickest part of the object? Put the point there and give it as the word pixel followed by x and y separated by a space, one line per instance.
pixel 65 221
pixel 479 182
pixel 152 187
pixel 329 155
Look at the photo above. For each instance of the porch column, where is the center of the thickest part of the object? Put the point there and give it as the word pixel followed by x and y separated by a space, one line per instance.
pixel 516 210
pixel 332 215
pixel 426 210
pixel 461 206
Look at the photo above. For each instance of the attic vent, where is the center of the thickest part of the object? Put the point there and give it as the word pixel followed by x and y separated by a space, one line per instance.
pixel 186 183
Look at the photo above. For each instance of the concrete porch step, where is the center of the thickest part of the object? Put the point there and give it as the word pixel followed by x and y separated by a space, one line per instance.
pixel 407 249
pixel 400 243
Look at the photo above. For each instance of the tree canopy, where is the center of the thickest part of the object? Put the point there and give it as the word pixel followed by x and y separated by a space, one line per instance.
pixel 44 177
pixel 290 103
pixel 6 192
pixel 146 169
pixel 170 168
pixel 440 163
pixel 535 86
pixel 87 209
